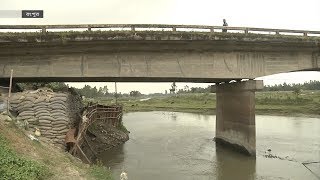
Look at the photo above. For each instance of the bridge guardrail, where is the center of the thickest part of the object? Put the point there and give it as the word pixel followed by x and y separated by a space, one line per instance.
pixel 160 27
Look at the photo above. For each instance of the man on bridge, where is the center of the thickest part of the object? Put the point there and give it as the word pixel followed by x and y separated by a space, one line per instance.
pixel 224 24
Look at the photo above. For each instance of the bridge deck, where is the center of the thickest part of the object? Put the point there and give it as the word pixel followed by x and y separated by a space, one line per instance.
pixel 83 32
pixel 161 27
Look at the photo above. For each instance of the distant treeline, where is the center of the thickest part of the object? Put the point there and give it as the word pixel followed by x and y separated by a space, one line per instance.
pixel 311 85
pixel 93 92
pixel 186 89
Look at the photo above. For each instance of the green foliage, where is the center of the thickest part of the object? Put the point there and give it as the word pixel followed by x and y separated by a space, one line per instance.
pixel 135 93
pixel 186 89
pixel 14 167
pixel 311 85
pixel 55 86
pixel 90 92
pixel 297 91
pixel 100 172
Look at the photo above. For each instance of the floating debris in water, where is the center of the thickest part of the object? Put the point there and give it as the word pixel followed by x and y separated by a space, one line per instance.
pixel 269 155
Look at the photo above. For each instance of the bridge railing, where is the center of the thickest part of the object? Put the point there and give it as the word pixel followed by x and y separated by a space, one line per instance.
pixel 161 27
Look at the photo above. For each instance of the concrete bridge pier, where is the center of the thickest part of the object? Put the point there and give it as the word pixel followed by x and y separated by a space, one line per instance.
pixel 235 123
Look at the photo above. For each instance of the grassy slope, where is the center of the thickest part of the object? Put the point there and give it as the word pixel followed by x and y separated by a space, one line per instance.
pixel 13 166
pixel 276 103
pixel 287 103
pixel 46 161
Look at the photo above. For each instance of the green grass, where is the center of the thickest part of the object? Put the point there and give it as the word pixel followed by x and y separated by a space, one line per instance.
pixel 13 166
pixel 183 102
pixel 287 103
pixel 100 172
pixel 277 103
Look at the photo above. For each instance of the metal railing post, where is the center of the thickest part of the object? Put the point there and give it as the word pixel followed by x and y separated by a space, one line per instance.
pixel 246 31
pixel 43 29
pixel 133 28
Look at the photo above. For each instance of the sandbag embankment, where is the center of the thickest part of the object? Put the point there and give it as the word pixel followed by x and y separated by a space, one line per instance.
pixel 49 111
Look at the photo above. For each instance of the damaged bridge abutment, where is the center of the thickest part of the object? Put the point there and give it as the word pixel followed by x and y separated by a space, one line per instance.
pixel 235 119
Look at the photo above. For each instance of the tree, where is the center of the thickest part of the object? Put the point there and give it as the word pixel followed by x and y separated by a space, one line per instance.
pixel 193 90
pixel 186 88
pixel 135 93
pixel 103 91
pixel 173 88
pixel 57 86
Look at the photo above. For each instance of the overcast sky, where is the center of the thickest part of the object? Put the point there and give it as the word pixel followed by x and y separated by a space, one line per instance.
pixel 288 14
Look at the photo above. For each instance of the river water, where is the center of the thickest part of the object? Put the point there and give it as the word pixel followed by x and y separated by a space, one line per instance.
pixel 174 146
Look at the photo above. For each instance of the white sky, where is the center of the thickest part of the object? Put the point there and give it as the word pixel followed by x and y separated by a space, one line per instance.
pixel 288 14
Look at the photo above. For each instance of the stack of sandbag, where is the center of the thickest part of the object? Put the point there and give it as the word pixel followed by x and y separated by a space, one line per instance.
pixel 45 110
pixel 60 124
pixel 23 104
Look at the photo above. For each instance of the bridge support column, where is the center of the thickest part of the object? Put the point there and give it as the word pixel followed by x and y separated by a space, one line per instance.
pixel 235 123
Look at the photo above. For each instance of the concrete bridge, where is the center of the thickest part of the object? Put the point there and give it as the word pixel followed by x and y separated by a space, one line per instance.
pixel 164 53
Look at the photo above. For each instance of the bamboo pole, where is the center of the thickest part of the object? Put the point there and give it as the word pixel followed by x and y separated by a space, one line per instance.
pixel 84 155
pixel 9 93
pixel 115 87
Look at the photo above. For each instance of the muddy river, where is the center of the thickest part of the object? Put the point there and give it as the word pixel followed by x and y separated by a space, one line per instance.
pixel 174 146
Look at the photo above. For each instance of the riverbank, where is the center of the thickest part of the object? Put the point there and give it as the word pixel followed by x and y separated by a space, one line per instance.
pixel 22 158
pixel 284 103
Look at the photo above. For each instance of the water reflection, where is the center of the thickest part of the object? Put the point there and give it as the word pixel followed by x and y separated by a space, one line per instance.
pixel 227 168
pixel 174 116
pixel 206 118
pixel 113 157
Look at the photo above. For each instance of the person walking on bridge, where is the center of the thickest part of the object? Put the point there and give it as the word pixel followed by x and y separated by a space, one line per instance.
pixel 224 24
